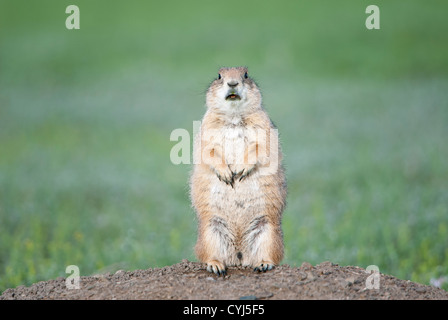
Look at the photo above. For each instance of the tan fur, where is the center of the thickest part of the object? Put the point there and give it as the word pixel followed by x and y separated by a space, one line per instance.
pixel 238 205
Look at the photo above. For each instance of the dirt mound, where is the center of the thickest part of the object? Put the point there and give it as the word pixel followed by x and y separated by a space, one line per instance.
pixel 190 280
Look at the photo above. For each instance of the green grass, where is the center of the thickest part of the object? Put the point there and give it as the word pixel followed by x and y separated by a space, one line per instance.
pixel 86 116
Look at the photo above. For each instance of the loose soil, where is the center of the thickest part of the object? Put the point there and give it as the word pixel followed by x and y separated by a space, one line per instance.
pixel 190 280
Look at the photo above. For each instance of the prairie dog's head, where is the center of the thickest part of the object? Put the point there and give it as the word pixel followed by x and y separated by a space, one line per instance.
pixel 233 90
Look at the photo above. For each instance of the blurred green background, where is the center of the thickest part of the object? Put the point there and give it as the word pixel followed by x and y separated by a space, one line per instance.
pixel 86 117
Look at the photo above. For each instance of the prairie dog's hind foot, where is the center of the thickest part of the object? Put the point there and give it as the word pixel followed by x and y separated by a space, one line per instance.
pixel 264 266
pixel 214 266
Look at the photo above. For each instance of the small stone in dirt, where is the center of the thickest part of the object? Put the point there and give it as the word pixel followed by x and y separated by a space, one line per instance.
pixel 310 276
pixel 306 266
pixel 264 295
pixel 251 297
pixel 325 264
pixel 420 290
pixel 349 281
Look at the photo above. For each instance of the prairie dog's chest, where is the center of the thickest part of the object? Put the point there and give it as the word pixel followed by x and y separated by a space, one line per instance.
pixel 233 141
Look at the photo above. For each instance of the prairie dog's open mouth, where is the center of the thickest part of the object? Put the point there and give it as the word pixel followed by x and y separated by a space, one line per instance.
pixel 233 96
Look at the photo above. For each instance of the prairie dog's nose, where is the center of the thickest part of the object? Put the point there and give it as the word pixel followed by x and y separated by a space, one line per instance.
pixel 232 83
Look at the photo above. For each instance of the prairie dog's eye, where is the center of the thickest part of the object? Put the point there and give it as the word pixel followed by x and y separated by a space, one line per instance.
pixel 219 76
pixel 245 75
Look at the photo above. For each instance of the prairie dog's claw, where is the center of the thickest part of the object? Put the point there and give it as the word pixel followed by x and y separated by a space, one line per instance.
pixel 263 267
pixel 216 267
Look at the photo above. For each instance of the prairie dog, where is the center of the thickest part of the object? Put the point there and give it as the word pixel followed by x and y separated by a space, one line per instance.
pixel 237 185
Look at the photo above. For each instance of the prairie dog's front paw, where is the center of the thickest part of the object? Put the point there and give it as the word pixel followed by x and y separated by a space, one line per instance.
pixel 224 174
pixel 240 171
